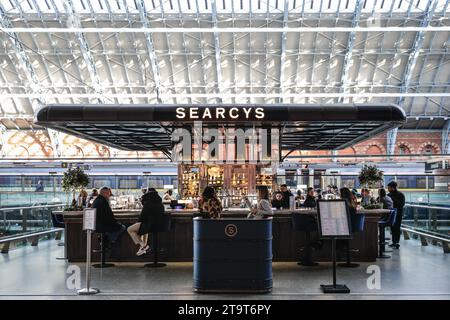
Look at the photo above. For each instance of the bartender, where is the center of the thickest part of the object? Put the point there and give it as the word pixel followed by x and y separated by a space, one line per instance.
pixel 168 196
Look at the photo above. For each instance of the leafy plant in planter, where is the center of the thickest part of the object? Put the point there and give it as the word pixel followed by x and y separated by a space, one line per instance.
pixel 369 176
pixel 74 179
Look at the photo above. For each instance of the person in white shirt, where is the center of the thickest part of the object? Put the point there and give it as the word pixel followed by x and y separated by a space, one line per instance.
pixel 264 207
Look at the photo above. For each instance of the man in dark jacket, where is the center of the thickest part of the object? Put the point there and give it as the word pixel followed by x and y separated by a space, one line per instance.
pixel 310 201
pixel 286 195
pixel 105 218
pixel 399 202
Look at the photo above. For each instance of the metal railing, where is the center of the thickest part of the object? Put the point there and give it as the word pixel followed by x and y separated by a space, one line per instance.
pixel 426 222
pixel 26 220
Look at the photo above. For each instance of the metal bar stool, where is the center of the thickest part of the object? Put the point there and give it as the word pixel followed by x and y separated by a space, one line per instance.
pixel 382 224
pixel 101 236
pixel 305 223
pixel 357 221
pixel 162 225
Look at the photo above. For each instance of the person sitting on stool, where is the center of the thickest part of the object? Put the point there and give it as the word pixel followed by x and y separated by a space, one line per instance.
pixel 106 223
pixel 152 210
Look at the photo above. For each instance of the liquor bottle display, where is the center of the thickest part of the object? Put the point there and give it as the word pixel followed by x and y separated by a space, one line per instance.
pixel 190 183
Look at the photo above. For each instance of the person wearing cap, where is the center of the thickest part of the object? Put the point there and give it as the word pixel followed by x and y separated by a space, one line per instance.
pixel 106 223
pixel 398 199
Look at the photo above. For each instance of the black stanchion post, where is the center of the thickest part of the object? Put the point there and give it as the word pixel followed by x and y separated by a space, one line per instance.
pixel 89 226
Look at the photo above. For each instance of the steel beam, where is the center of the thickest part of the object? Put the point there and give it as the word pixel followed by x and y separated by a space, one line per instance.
pixel 149 29
pixel 391 137
pixel 151 48
pixel 349 53
pixel 445 138
pixel 418 42
pixel 85 50
pixel 217 51
pixel 283 49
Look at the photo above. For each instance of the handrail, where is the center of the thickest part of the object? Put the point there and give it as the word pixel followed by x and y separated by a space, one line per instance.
pixel 426 207
pixel 425 234
pixel 29 235
pixel 32 207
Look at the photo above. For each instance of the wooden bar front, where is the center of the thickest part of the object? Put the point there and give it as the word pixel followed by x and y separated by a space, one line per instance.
pixel 177 243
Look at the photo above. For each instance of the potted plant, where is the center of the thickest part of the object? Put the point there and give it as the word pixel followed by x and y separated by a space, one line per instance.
pixel 74 179
pixel 369 177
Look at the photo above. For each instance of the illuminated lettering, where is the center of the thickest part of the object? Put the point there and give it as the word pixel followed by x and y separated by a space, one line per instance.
pixel 259 113
pixel 236 115
pixel 247 112
pixel 221 112
pixel 206 113
pixel 193 113
pixel 180 113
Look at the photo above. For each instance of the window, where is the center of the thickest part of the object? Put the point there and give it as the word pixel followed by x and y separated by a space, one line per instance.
pixel 429 149
pixel 403 149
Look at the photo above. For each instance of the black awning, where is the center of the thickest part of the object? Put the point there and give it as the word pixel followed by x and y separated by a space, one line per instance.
pixel 149 127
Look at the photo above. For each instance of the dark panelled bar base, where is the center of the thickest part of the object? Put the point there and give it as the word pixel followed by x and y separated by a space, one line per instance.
pixel 232 255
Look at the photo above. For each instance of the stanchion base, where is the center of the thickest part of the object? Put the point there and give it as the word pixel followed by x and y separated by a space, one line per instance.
pixel 308 264
pixel 103 265
pixel 88 292
pixel 61 244
pixel 155 265
pixel 61 258
pixel 383 256
pixel 339 288
pixel 348 265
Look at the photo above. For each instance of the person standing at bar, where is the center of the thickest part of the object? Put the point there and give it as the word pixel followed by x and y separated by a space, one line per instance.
pixel 286 196
pixel 398 199
pixel 106 223
pixel 310 201
pixel 385 199
pixel 92 197
pixel 209 205
pixel 365 200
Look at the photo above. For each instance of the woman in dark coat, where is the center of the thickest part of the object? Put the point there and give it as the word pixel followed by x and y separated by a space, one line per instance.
pixel 151 214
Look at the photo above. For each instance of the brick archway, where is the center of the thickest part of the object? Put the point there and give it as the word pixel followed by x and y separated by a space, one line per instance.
pixel 374 148
pixel 407 145
pixel 436 148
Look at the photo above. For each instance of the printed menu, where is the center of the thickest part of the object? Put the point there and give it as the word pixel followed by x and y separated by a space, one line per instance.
pixel 333 218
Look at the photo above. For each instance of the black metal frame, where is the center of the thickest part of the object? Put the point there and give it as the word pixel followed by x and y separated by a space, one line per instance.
pixel 149 127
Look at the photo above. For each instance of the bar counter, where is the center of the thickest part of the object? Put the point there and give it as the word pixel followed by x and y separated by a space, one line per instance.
pixel 178 242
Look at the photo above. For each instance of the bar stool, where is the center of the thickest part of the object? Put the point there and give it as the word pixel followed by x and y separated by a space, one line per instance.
pixel 58 222
pixel 305 223
pixel 357 221
pixel 162 225
pixel 382 224
pixel 102 238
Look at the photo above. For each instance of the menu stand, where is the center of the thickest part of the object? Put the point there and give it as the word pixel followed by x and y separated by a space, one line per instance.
pixel 334 288
pixel 334 223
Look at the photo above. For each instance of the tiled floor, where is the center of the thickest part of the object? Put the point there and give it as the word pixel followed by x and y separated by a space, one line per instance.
pixel 413 272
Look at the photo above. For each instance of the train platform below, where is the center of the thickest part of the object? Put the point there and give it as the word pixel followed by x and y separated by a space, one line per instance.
pixel 413 272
